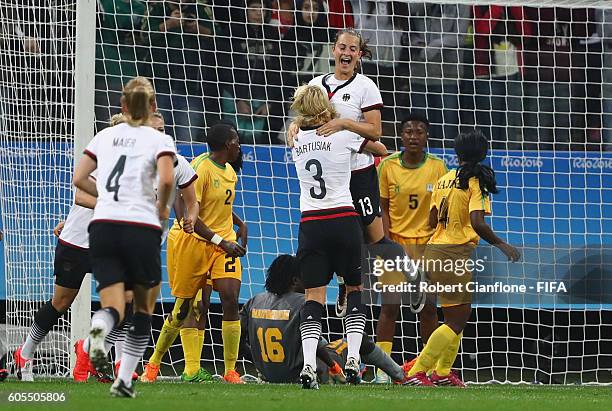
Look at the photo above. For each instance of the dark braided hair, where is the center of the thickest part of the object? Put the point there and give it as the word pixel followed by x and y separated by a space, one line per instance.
pixel 281 274
pixel 366 52
pixel 471 148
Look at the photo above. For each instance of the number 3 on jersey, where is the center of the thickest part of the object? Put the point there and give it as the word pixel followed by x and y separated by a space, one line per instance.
pixel 113 186
pixel 317 177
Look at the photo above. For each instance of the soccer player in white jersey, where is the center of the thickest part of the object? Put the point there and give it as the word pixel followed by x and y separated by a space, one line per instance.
pixel 330 236
pixel 125 231
pixel 184 176
pixel 358 102
pixel 71 263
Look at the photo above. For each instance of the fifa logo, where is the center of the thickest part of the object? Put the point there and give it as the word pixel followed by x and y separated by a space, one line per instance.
pixel 346 97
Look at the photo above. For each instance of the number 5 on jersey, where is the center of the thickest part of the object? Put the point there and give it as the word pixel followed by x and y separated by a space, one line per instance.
pixel 112 184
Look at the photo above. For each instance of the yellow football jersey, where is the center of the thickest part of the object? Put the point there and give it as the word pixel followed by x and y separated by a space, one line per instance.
pixel 215 190
pixel 454 207
pixel 409 192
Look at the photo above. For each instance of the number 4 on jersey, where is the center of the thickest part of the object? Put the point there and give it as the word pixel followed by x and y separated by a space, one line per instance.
pixel 113 186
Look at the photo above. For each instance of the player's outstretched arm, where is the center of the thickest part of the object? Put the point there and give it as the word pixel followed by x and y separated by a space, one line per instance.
pixel 243 231
pixel 484 231
pixel 81 178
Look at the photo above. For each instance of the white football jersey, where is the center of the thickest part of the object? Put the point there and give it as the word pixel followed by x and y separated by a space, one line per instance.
pixel 323 167
pixel 351 98
pixel 127 170
pixel 184 175
pixel 74 233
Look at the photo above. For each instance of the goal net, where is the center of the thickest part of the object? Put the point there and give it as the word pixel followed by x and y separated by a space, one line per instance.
pixel 536 77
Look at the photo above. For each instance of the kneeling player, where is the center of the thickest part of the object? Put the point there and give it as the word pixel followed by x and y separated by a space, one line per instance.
pixel 270 329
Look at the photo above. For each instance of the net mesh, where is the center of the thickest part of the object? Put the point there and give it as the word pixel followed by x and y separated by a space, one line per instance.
pixel 536 79
pixel 36 89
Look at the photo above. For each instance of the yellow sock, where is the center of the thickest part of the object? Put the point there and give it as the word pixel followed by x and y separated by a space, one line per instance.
pixel 201 340
pixel 438 342
pixel 386 347
pixel 166 338
pixel 191 349
pixel 230 331
pixel 446 360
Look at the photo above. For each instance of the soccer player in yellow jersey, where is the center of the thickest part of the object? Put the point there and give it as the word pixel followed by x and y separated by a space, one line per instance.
pixel 459 203
pixel 406 181
pixel 209 256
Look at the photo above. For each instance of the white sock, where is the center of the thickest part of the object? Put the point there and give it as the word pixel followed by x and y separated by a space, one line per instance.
pixel 128 366
pixel 104 320
pixel 354 344
pixel 309 348
pixel 135 346
pixel 311 332
pixel 28 348
pixel 118 350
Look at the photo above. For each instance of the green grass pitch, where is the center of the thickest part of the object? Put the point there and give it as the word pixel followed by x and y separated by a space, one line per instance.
pixel 268 397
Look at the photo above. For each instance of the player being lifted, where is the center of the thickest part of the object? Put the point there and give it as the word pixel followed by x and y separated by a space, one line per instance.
pixel 358 102
pixel 125 231
pixel 459 203
pixel 270 329
pixel 406 181
pixel 208 257
pixel 330 235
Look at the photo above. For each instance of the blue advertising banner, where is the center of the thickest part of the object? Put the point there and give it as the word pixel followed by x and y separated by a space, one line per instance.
pixel 547 199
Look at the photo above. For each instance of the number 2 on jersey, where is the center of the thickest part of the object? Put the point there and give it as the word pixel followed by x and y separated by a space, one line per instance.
pixel 317 178
pixel 270 343
pixel 113 186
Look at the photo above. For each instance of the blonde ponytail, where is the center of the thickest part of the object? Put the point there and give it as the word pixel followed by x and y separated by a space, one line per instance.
pixel 138 98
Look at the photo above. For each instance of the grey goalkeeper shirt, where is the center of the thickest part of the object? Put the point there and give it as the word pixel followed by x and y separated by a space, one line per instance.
pixel 273 327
